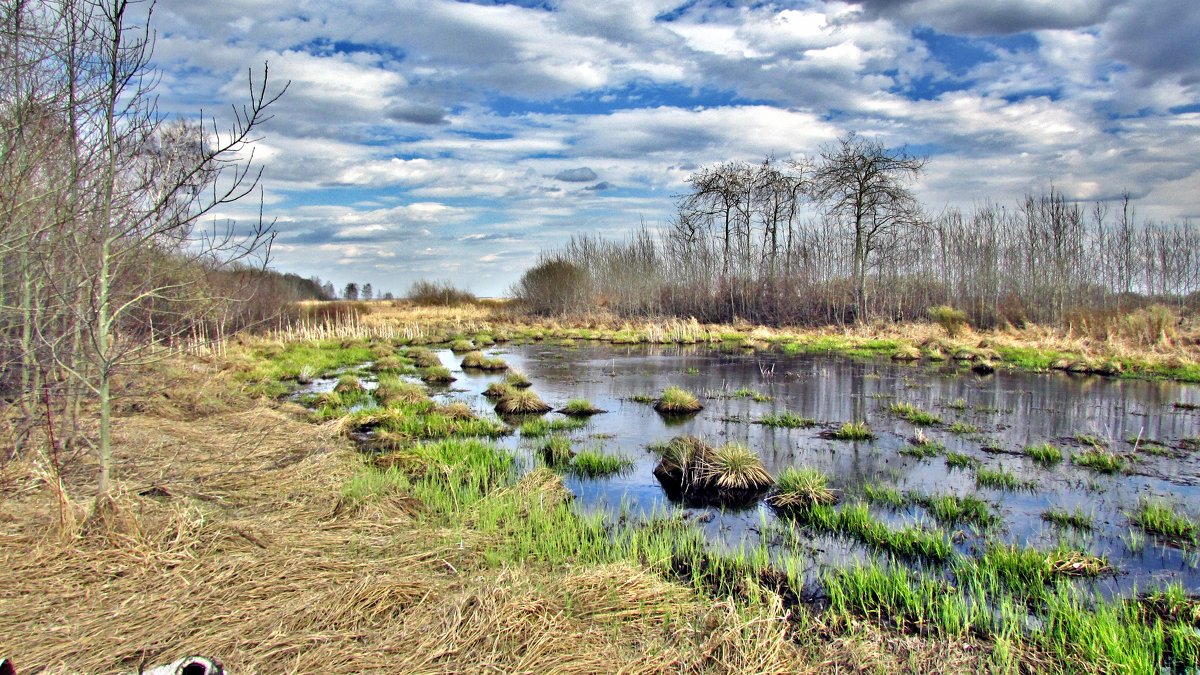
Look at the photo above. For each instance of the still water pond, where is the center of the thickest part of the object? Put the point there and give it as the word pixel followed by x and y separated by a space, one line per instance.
pixel 1010 411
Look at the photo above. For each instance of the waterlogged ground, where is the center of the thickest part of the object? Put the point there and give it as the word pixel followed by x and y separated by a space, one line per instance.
pixel 1147 424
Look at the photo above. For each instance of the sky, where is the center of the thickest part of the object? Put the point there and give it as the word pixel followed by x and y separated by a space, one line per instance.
pixel 455 141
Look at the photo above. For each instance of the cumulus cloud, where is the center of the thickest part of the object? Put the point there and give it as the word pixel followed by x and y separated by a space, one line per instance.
pixel 992 18
pixel 580 175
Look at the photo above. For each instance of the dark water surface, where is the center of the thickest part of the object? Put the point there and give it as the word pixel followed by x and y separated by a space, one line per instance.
pixel 1011 410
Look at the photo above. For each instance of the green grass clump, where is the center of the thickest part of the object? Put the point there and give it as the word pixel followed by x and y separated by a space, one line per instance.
pixel 1160 518
pixel 1092 440
pixel 556 452
pixel 423 358
pixel 462 345
pixel 909 542
pixel 963 428
pixel 1098 459
pixel 521 402
pixel 914 414
pixel 885 495
pixel 517 380
pixel 756 396
pixel 436 375
pixel 594 464
pixel 580 407
pixel 402 423
pixel 958 460
pixel 348 384
pixel 392 390
pixel 1076 519
pixel 643 398
pixel 786 420
pixel 677 400
pixel 801 487
pixel 922 448
pixel 957 404
pixel 542 426
pixel 497 390
pixel 951 510
pixel 1045 454
pixel 478 361
pixel 698 472
pixel 734 466
pixel 854 431
pixel 999 479
pixel 901 599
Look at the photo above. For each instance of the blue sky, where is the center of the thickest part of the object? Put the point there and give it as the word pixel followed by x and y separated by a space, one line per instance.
pixel 456 140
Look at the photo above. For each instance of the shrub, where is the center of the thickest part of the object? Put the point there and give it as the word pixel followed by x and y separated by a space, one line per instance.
pixel 554 286
pixel 439 293
pixel 951 320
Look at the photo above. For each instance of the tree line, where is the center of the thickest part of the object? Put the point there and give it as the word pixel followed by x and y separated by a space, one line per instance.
pixel 842 238
pixel 109 240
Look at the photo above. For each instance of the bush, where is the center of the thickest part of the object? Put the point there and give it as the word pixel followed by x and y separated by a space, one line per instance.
pixel 951 320
pixel 554 286
pixel 438 293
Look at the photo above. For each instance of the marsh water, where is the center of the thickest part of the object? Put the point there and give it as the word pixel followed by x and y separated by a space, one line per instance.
pixel 1010 410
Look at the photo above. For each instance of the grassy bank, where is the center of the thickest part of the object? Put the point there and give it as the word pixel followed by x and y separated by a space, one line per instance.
pixel 1033 348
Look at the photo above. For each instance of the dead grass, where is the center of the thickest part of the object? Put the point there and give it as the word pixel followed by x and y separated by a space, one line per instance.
pixel 229 537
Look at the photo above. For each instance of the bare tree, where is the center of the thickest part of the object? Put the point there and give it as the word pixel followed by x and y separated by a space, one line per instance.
pixel 865 185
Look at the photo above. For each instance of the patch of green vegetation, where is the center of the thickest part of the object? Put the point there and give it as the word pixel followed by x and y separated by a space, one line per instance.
pixel 423 358
pixel 801 487
pixel 1045 454
pixel 594 464
pixel 461 345
pixel 300 362
pixel 1000 479
pixel 478 361
pixel 913 414
pixel 951 510
pixel 884 495
pixel 963 428
pixel 958 460
pixel 392 390
pixel 1076 519
pixel 1092 440
pixel 643 398
pixel 580 407
pixel 677 400
pixel 407 422
pixel 691 370
pixel 786 420
pixel 957 404
pixel 1160 518
pixel 556 452
pixel 542 426
pixel 1100 460
pixel 521 402
pixel 517 380
pixel 854 431
pixel 1032 358
pixel 855 520
pixel 756 396
pixel 923 448
pixel 436 375
pixel 1151 448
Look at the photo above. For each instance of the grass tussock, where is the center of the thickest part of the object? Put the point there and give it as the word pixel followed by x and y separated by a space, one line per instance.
pixel 393 390
pixel 423 358
pixel 801 488
pixel 1045 454
pixel 497 390
pixel 478 361
pixel 462 346
pixel 596 464
pixel 517 380
pixel 854 431
pixel 677 401
pixel 1077 519
pixel 580 407
pixel 521 402
pixel 913 414
pixel 695 472
pixel 437 375
pixel 1100 460
pixel 1000 479
pixel 1161 518
pixel 786 420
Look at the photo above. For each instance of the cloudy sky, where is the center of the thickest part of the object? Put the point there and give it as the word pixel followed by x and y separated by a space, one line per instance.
pixel 456 140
